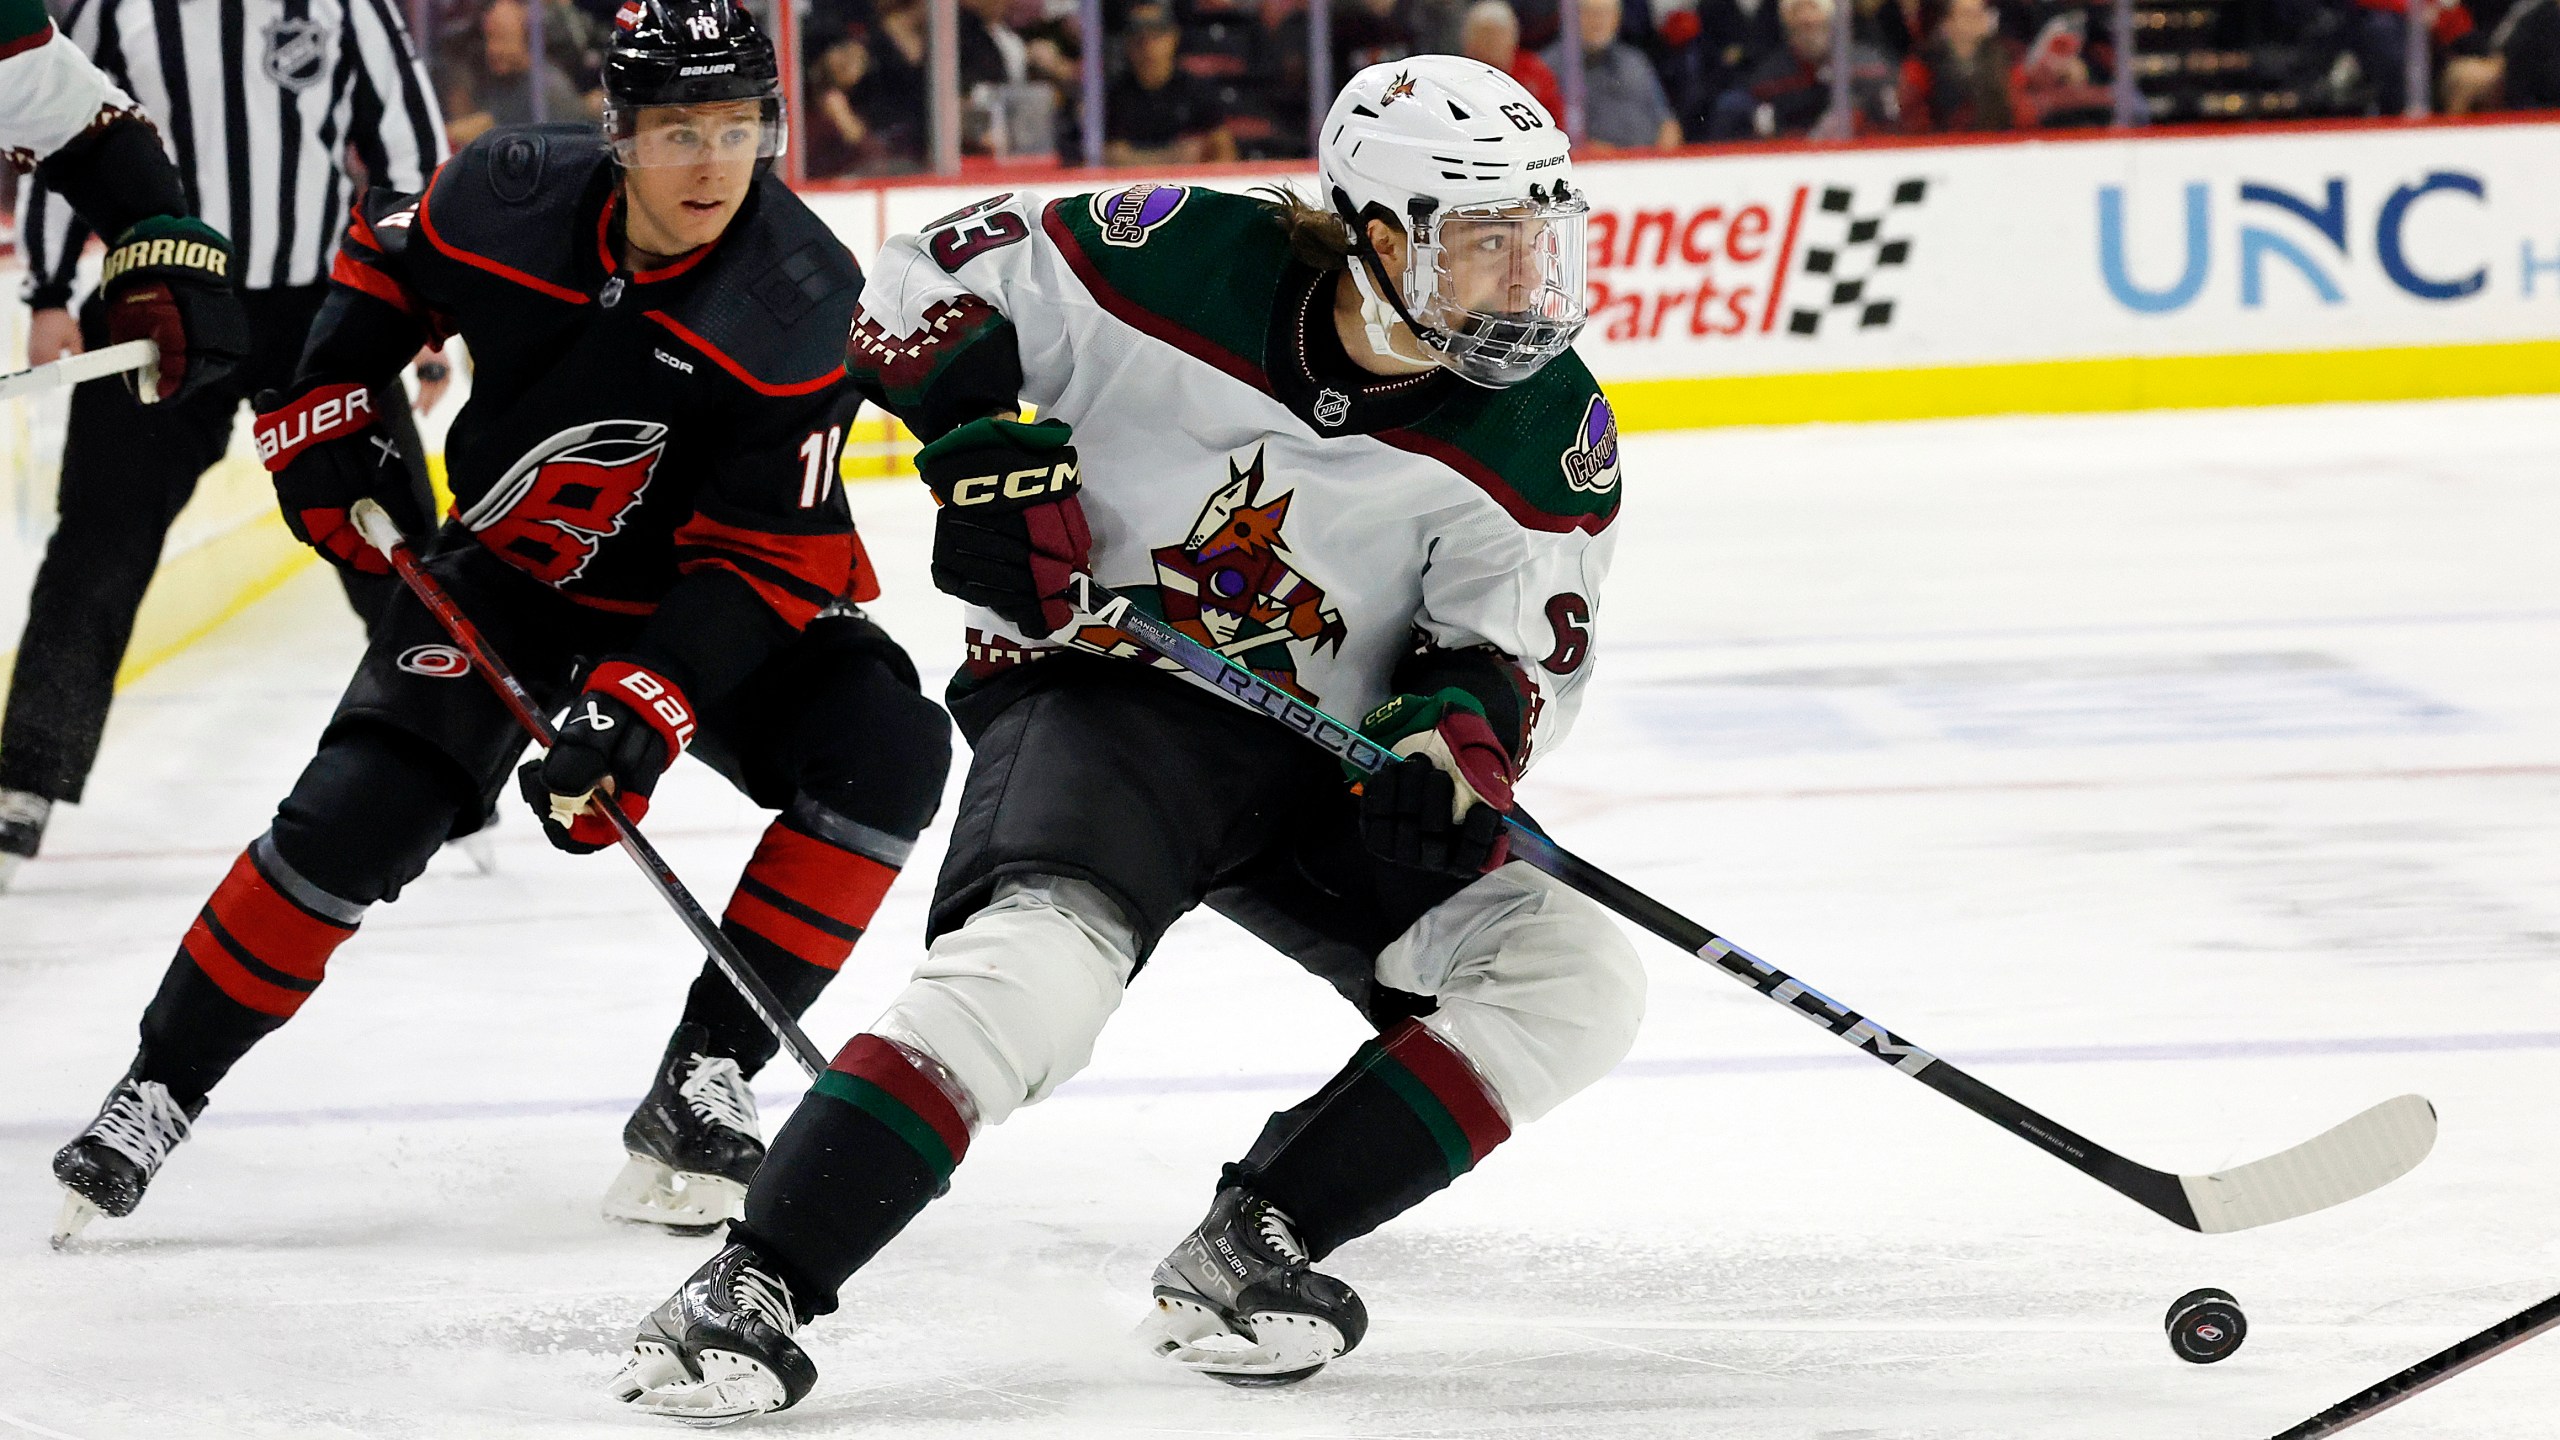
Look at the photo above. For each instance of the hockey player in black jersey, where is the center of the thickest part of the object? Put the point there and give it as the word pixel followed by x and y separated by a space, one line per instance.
pixel 647 525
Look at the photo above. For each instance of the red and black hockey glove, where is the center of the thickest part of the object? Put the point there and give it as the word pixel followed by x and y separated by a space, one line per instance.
pixel 1440 808
pixel 169 279
pixel 626 727
pixel 326 452
pixel 1012 527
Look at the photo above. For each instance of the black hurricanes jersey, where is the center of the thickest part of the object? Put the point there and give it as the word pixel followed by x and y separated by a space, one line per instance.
pixel 625 428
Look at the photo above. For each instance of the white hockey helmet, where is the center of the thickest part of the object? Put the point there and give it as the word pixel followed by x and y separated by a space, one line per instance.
pixel 1477 175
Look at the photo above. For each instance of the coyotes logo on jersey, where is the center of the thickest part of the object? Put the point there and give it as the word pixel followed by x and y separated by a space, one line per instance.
pixel 567 495
pixel 1232 585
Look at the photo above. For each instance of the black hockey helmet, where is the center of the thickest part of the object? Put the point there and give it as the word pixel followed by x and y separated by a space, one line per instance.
pixel 687 52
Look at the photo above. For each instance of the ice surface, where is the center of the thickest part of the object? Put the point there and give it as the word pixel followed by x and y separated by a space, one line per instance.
pixel 2191 777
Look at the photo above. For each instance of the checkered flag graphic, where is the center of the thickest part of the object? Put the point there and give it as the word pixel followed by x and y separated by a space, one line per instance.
pixel 1856 254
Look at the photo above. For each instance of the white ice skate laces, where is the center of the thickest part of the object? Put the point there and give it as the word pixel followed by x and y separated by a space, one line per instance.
pixel 718 1093
pixel 142 1123
pixel 1274 1228
pixel 766 1297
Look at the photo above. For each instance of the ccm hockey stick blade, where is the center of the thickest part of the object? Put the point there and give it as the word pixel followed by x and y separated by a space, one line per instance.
pixel 2427 1374
pixel 383 533
pixel 2367 1152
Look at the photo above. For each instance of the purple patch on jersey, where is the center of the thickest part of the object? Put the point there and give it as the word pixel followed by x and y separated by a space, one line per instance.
pixel 1592 461
pixel 1128 216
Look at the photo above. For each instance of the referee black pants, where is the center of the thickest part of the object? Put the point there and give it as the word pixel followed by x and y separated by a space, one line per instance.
pixel 127 470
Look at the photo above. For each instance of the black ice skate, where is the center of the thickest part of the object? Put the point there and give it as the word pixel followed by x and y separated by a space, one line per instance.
pixel 22 818
pixel 105 1168
pixel 1236 1301
pixel 720 1348
pixel 694 1143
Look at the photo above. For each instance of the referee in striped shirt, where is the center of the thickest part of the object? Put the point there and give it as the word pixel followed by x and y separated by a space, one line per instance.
pixel 261 103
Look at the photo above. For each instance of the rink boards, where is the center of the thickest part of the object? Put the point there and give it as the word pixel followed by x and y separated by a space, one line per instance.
pixel 1871 282
pixel 1897 281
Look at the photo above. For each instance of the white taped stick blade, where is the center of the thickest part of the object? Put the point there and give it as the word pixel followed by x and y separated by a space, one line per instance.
pixel 2362 1155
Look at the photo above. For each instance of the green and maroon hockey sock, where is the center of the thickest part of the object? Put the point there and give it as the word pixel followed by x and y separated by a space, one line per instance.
pixel 1403 1119
pixel 873 1143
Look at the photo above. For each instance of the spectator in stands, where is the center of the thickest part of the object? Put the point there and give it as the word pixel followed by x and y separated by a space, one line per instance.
pixel 1707 49
pixel 1963 77
pixel 837 134
pixel 1492 34
pixel 1155 114
pixel 1789 91
pixel 1369 32
pixel 2520 69
pixel 2382 41
pixel 1623 107
pixel 495 87
pixel 886 99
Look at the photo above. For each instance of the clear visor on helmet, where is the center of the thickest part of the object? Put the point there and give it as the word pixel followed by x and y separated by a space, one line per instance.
pixel 716 132
pixel 1501 286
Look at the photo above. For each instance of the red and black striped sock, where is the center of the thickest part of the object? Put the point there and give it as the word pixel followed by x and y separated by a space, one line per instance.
pixel 873 1143
pixel 256 951
pixel 1403 1119
pixel 807 895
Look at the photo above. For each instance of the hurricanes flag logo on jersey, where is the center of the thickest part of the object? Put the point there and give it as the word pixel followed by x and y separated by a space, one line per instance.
pixel 568 495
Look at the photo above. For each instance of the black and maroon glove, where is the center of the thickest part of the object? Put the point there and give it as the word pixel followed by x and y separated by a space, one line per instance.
pixel 326 452
pixel 168 279
pixel 1441 807
pixel 627 726
pixel 1012 527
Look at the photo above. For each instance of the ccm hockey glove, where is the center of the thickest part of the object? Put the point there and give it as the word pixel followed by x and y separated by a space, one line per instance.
pixel 168 278
pixel 327 453
pixel 627 726
pixel 1012 528
pixel 1440 808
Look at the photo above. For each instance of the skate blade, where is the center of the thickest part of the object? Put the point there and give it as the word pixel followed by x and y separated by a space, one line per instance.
pixel 76 1214
pixel 647 1192
pixel 9 868
pixel 1285 1347
pixel 731 1388
pixel 480 850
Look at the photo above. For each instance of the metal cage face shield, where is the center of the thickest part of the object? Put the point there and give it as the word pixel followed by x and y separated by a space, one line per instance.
pixel 715 133
pixel 1500 286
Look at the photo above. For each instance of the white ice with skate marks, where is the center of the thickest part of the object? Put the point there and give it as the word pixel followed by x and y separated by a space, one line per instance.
pixel 2190 777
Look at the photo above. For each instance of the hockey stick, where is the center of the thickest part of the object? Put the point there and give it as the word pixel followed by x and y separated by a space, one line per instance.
pixel 2367 1152
pixel 383 534
pixel 74 369
pixel 2427 1374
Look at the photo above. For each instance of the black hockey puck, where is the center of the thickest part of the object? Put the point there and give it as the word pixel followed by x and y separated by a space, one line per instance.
pixel 2206 1325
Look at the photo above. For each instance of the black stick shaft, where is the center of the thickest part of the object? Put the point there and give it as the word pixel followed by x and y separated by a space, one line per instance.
pixel 2154 1190
pixel 511 693
pixel 2427 1374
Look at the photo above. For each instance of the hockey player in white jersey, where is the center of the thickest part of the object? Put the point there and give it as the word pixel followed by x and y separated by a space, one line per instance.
pixel 1347 444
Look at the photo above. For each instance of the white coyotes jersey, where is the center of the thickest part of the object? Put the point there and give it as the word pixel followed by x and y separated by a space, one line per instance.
pixel 1317 559
pixel 49 93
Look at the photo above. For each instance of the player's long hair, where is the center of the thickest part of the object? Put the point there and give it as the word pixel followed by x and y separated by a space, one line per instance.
pixel 1317 236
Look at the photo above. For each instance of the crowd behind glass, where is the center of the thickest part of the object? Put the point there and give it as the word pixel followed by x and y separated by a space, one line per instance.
pixel 1187 81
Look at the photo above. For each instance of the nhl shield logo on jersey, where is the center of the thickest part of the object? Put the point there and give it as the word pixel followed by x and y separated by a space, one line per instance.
pixel 567 495
pixel 1128 216
pixel 1232 585
pixel 1591 462
pixel 297 53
